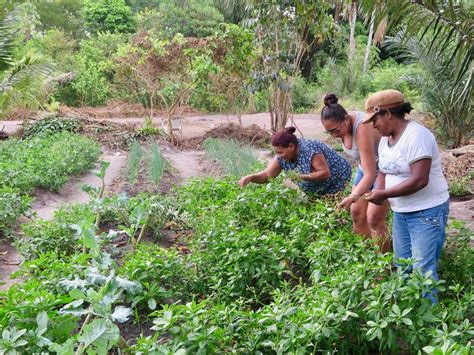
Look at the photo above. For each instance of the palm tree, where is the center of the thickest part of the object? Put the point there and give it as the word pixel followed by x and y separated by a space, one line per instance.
pixel 449 24
pixel 446 97
pixel 19 77
pixel 438 34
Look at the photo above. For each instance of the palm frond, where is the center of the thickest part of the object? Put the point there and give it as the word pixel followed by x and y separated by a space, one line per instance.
pixel 31 65
pixel 448 98
pixel 449 25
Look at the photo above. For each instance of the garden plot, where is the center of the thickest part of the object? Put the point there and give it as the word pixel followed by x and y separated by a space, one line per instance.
pixel 213 267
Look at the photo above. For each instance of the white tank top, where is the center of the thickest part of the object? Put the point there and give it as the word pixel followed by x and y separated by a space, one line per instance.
pixel 354 151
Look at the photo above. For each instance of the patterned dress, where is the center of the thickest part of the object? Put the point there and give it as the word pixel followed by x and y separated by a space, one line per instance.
pixel 338 166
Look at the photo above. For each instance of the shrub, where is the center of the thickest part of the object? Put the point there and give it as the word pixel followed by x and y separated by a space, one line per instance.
pixel 45 161
pixel 13 204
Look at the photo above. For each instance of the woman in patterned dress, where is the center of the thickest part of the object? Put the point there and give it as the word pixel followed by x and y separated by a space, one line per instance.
pixel 321 170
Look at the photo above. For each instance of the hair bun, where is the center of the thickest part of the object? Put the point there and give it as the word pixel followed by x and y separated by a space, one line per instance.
pixel 330 99
pixel 290 129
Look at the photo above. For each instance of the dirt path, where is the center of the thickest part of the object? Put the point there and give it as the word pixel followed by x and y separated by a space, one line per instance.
pixel 188 164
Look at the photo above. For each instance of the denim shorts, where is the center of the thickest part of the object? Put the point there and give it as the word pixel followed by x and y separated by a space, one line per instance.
pixel 358 177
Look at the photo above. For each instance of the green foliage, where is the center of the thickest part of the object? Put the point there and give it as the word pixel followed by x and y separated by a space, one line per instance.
pixel 53 236
pixel 50 125
pixel 459 187
pixel 108 15
pixel 90 85
pixel 57 45
pixel 156 164
pixel 13 204
pixel 191 18
pixel 45 161
pixel 317 289
pixel 234 159
pixel 457 259
pixel 62 15
pixel 164 275
pixel 222 74
pixel 304 95
pixel 134 158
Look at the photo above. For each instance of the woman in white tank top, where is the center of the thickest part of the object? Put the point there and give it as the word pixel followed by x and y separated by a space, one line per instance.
pixel 360 142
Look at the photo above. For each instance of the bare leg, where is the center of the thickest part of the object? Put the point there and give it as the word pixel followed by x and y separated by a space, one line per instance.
pixel 376 216
pixel 360 225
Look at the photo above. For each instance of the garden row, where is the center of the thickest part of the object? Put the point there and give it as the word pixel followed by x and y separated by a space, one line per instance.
pixel 264 270
pixel 39 161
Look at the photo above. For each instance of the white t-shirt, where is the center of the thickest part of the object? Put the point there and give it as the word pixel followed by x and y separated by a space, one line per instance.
pixel 416 143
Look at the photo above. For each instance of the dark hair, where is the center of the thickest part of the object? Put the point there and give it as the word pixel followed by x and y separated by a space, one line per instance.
pixel 285 137
pixel 332 110
pixel 399 111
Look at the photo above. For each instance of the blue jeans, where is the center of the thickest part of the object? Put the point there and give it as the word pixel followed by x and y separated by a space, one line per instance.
pixel 420 235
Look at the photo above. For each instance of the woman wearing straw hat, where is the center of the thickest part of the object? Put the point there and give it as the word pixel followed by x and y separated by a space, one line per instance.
pixel 411 179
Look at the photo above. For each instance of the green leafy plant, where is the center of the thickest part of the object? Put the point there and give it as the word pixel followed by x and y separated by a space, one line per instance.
pixel 156 164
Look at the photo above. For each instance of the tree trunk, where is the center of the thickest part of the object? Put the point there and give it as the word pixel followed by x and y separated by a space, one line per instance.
pixel 369 42
pixel 251 103
pixel 352 21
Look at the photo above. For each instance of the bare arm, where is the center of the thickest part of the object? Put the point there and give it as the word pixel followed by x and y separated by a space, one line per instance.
pixel 320 167
pixel 365 140
pixel 420 174
pixel 273 170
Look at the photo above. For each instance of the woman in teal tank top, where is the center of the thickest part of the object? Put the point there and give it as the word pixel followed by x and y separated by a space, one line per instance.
pixel 360 142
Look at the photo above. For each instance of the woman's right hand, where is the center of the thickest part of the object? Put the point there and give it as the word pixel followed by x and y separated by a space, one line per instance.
pixel 245 181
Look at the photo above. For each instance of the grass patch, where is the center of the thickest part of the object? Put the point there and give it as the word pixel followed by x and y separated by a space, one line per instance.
pixel 234 158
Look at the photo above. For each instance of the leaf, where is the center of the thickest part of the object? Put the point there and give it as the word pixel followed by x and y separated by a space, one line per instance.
pixel 102 332
pixel 152 303
pixel 42 321
pixel 77 294
pixel 121 314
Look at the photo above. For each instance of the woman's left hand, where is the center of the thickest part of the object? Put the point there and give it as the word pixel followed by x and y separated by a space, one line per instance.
pixel 377 197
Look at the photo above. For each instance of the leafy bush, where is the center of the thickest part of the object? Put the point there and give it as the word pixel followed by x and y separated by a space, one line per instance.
pixel 192 18
pixel 164 275
pixel 390 75
pixel 45 161
pixel 13 204
pixel 303 96
pixel 108 15
pixel 56 236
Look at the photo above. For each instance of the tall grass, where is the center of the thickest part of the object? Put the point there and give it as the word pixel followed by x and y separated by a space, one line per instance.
pixel 234 158
pixel 134 158
pixel 156 164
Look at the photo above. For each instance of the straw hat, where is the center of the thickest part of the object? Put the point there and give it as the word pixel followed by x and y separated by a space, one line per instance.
pixel 382 100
